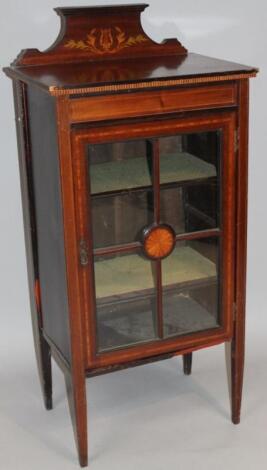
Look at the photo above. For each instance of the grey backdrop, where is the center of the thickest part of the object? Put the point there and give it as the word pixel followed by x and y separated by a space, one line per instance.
pixel 153 416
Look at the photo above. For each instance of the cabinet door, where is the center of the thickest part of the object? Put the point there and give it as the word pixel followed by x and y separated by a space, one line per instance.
pixel 156 216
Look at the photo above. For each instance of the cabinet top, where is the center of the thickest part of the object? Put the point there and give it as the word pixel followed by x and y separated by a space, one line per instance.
pixel 104 48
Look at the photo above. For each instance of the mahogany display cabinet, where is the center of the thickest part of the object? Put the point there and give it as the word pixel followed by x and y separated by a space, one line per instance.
pixel 133 163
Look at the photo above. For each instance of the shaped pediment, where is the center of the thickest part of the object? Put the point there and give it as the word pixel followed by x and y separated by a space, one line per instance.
pixel 100 33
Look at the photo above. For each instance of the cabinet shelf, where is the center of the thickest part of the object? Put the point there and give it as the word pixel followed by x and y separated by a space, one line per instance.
pixel 117 176
pixel 130 275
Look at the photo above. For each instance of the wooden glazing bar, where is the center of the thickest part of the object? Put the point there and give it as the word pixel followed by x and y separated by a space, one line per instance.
pixel 215 232
pixel 156 182
pixel 159 299
pixel 156 189
pixel 135 246
pixel 110 250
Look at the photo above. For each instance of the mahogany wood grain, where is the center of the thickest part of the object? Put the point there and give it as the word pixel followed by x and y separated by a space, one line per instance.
pixel 46 182
pixel 76 394
pixel 159 298
pixel 214 232
pixel 81 180
pixel 183 350
pixel 42 349
pixel 104 32
pixel 105 370
pixel 75 382
pixel 156 180
pixel 130 75
pixel 110 83
pixel 97 108
pixel 118 132
pixel 115 131
pixel 157 264
pixel 237 346
pixel 135 246
pixel 98 40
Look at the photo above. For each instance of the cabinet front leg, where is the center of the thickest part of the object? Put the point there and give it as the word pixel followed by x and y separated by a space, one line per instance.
pixel 235 354
pixel 78 410
pixel 237 347
pixel 187 363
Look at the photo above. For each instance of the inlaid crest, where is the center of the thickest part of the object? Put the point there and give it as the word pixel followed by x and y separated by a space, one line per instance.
pixel 106 41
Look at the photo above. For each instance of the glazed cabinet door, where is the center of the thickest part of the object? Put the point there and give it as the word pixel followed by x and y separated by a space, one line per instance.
pixel 156 223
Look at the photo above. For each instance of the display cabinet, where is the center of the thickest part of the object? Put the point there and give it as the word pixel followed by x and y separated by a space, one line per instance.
pixel 133 163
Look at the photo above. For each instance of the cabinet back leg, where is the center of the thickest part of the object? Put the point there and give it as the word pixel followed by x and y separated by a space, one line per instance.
pixel 43 357
pixel 78 411
pixel 187 363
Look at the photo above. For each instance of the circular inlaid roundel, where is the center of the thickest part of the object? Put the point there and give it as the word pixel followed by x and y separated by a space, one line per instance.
pixel 158 241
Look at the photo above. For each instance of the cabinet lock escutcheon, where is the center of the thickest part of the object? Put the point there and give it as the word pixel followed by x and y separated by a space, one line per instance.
pixel 83 253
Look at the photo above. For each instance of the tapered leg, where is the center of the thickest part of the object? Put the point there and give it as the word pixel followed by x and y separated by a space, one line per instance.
pixel 235 369
pixel 43 356
pixel 78 411
pixel 187 362
pixel 235 349
pixel 237 373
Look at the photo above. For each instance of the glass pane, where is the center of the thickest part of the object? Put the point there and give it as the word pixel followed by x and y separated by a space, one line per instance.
pixel 126 307
pixel 190 287
pixel 121 191
pixel 189 178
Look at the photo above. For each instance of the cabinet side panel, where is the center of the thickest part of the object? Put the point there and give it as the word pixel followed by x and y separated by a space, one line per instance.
pixel 49 220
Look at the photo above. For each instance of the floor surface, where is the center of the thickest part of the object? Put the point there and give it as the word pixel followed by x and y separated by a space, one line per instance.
pixel 149 417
